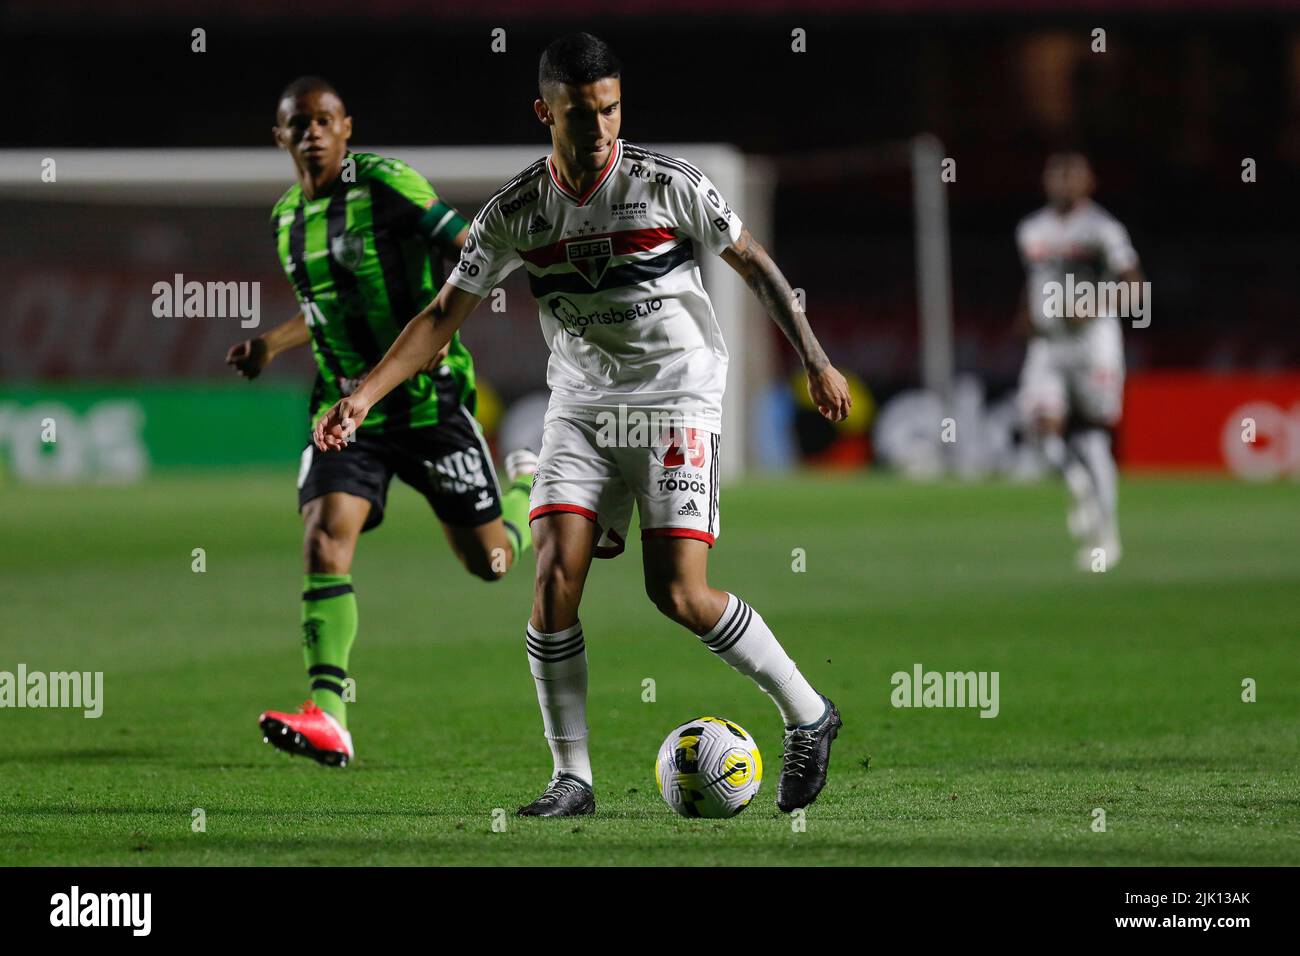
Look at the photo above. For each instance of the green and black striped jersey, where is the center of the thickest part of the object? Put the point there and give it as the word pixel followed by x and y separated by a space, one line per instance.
pixel 359 262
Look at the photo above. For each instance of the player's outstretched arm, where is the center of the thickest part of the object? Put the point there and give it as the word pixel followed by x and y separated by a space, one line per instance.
pixel 249 357
pixel 421 341
pixel 826 386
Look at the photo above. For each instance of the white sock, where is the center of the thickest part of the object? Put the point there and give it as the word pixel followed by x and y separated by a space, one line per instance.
pixel 1071 467
pixel 743 640
pixel 1054 450
pixel 1084 510
pixel 1079 480
pixel 1092 447
pixel 559 665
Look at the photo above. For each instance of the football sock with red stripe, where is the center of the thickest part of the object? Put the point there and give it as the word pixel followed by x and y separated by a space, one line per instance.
pixel 329 626
pixel 742 639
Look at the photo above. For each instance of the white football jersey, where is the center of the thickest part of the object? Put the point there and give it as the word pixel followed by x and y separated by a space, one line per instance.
pixel 1087 242
pixel 616 276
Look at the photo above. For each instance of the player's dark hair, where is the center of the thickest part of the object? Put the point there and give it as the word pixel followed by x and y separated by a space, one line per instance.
pixel 575 60
pixel 307 84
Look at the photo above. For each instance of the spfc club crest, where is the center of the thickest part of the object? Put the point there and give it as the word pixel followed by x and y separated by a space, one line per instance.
pixel 348 249
pixel 590 257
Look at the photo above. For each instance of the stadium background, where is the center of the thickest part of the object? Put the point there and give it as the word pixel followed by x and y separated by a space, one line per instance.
pixel 1167 113
pixel 171 564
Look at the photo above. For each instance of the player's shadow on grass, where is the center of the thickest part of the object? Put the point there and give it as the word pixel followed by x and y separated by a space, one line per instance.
pixel 153 754
pixel 82 755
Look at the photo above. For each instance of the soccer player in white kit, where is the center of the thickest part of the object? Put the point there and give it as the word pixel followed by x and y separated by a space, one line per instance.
pixel 1072 383
pixel 609 234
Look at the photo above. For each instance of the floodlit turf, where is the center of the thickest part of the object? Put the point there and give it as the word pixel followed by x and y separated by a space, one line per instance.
pixel 1119 691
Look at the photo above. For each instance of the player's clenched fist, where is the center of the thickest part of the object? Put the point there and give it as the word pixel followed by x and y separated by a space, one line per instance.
pixel 830 393
pixel 249 357
pixel 337 426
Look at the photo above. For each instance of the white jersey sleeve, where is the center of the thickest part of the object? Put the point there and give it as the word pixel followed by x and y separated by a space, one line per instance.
pixel 488 256
pixel 706 216
pixel 1116 245
pixel 1022 241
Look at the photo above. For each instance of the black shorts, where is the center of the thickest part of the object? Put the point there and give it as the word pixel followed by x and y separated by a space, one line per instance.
pixel 449 463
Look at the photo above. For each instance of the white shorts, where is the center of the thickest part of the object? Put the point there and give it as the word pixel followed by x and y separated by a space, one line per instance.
pixel 672 478
pixel 1081 374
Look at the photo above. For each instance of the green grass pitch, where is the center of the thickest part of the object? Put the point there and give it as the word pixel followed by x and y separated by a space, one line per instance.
pixel 1120 690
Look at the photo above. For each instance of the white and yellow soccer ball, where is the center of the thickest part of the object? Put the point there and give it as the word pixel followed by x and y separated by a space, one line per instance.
pixel 709 767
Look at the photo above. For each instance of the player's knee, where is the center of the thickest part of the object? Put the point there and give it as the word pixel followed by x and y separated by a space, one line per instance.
pixel 554 582
pixel 558 592
pixel 679 601
pixel 487 566
pixel 325 553
pixel 1047 423
pixel 486 573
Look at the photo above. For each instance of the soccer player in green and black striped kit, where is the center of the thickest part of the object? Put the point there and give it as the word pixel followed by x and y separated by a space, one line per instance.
pixel 355 235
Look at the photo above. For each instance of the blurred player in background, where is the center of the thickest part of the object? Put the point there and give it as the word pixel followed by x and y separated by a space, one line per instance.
pixel 609 233
pixel 1072 383
pixel 356 235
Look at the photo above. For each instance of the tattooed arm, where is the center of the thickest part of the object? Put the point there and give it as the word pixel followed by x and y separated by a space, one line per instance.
pixel 826 386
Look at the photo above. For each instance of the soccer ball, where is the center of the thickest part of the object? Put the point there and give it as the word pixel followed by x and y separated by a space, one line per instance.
pixel 708 767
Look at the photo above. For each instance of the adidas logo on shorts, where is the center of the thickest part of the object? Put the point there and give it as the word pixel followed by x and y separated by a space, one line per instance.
pixel 689 510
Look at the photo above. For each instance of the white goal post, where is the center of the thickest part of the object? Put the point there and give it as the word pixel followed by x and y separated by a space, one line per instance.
pixel 257 177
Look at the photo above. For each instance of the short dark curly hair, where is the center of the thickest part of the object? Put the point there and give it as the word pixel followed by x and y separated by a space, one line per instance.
pixel 307 84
